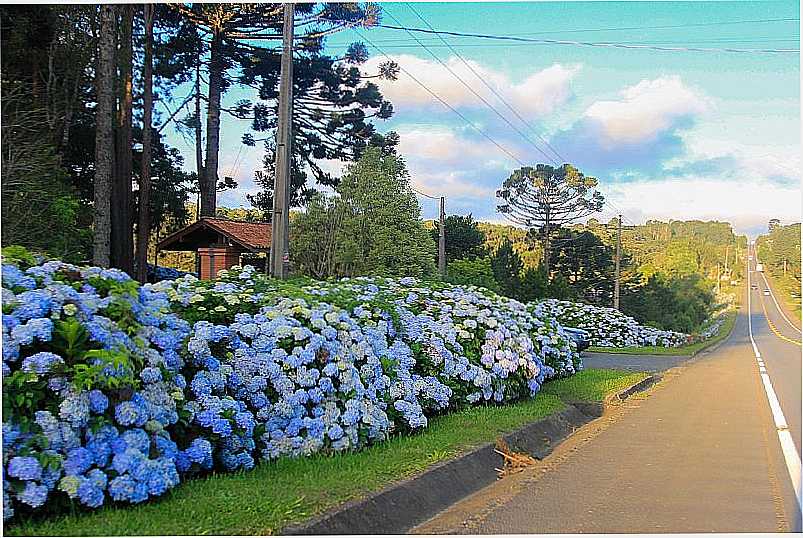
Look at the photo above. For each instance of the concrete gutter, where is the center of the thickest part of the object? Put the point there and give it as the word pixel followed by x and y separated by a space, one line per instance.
pixel 403 505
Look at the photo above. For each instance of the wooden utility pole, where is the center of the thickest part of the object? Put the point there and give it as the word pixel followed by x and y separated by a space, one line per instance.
pixel 442 239
pixel 727 249
pixel 618 263
pixel 280 223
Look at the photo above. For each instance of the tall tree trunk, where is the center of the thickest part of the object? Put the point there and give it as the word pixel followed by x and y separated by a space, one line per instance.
pixel 199 153
pixel 546 245
pixel 122 238
pixel 104 141
pixel 209 183
pixel 144 225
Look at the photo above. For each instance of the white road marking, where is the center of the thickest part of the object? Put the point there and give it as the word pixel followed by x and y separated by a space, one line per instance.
pixel 791 457
pixel 775 405
pixel 792 460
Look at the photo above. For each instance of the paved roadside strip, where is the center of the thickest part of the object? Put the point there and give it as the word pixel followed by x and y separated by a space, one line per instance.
pixel 633 363
pixel 401 506
pixel 698 455
pixel 778 306
pixel 791 456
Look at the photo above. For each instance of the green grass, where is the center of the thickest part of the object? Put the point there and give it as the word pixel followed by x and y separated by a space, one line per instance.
pixel 691 349
pixel 787 290
pixel 274 495
pixel 592 385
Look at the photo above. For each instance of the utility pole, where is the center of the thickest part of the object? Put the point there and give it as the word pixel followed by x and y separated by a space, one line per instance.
pixel 719 278
pixel 442 239
pixel 618 263
pixel 727 248
pixel 280 223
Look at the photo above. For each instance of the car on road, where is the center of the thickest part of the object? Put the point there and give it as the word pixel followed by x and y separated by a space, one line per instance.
pixel 766 292
pixel 754 287
pixel 580 337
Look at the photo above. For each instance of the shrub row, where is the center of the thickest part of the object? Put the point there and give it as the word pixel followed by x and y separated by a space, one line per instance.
pixel 115 392
pixel 608 327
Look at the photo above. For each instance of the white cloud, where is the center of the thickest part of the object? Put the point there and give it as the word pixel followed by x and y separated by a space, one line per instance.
pixel 748 205
pixel 450 184
pixel 444 162
pixel 536 96
pixel 753 160
pixel 646 110
pixel 442 145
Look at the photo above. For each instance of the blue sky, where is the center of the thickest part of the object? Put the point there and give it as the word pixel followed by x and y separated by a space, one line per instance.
pixel 681 135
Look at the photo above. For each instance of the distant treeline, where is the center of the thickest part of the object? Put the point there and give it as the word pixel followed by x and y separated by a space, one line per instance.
pixel 669 274
pixel 779 251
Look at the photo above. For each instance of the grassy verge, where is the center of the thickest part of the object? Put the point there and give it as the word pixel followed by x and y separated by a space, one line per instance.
pixel 274 495
pixel 592 385
pixel 786 291
pixel 724 331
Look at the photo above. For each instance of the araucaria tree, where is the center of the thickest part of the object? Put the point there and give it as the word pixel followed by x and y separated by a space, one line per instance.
pixel 332 101
pixel 546 197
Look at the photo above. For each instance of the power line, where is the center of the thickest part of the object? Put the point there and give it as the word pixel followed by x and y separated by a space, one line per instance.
pixel 491 88
pixel 234 163
pixel 501 98
pixel 667 27
pixel 472 90
pixel 586 43
pixel 442 101
pixel 631 28
pixel 423 193
pixel 406 44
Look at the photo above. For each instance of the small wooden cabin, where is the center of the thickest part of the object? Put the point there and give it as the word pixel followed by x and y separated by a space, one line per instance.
pixel 221 243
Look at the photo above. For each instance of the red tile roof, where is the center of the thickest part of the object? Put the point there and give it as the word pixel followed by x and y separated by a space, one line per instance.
pixel 250 235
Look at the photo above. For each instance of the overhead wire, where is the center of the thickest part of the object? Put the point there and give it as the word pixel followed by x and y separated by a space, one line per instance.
pixel 443 102
pixel 660 27
pixel 489 86
pixel 423 193
pixel 441 33
pixel 476 94
pixel 406 44
pixel 502 99
pixel 603 44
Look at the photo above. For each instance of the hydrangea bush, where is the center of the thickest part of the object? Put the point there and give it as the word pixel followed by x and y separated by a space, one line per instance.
pixel 608 327
pixel 157 273
pixel 90 386
pixel 114 391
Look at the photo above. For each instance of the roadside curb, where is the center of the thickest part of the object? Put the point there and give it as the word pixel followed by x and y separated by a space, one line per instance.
pixel 403 505
pixel 641 386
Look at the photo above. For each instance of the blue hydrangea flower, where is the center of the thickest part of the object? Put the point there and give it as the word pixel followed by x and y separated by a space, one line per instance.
pixel 24 468
pixel 98 402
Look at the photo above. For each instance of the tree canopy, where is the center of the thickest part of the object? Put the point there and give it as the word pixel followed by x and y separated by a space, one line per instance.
pixel 544 197
pixel 464 238
pixel 371 226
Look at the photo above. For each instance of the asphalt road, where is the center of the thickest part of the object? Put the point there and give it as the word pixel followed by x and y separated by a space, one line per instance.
pixel 778 341
pixel 632 363
pixel 700 452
